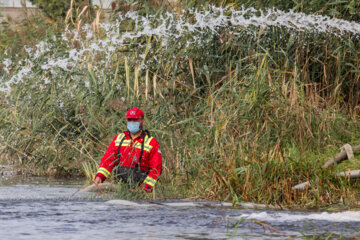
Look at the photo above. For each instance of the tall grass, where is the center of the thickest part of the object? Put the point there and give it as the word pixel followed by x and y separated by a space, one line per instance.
pixel 240 115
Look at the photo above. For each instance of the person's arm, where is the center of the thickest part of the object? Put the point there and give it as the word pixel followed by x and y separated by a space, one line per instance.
pixel 107 163
pixel 155 163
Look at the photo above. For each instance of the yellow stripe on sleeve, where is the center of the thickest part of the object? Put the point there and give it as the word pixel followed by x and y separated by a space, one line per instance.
pixel 150 181
pixel 104 172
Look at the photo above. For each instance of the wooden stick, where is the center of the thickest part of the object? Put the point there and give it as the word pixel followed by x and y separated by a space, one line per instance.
pixel 192 72
pixel 100 187
pixel 272 228
pixel 136 81
pixel 79 189
pixel 154 86
pixel 146 84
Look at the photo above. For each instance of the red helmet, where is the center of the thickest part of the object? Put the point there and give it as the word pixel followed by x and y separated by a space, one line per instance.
pixel 134 113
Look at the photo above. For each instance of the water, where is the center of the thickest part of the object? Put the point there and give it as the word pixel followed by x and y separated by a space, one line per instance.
pixel 40 208
pixel 193 28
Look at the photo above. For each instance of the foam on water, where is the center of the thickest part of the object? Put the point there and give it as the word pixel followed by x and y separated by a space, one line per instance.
pixel 346 216
pixel 168 29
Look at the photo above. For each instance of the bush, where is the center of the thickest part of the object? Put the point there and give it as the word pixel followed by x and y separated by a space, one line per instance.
pixel 58 8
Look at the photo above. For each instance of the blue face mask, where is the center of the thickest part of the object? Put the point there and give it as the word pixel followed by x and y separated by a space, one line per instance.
pixel 133 127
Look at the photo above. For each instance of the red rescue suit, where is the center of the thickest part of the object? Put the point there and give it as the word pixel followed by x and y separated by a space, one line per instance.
pixel 129 154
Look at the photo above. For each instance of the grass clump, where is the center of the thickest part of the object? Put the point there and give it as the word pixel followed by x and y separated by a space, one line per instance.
pixel 242 113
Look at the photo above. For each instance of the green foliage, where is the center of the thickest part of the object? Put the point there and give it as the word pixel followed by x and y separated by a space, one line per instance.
pixel 237 117
pixel 58 8
pixel 14 36
pixel 127 193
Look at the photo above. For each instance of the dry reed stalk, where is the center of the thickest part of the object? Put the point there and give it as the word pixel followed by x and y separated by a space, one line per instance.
pixel 261 65
pixel 136 82
pixel 147 48
pixel 79 20
pixel 95 24
pixel 146 84
pixel 69 16
pixel 127 74
pixel 154 85
pixel 192 72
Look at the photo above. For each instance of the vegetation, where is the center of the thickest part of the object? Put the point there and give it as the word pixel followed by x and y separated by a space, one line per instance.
pixel 242 114
pixel 59 8
pixel 349 10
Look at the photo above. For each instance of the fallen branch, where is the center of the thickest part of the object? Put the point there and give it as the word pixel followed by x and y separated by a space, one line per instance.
pixel 272 229
pixel 302 186
pixel 341 156
pixel 102 186
pixel 349 174
pixel 79 189
pixel 346 153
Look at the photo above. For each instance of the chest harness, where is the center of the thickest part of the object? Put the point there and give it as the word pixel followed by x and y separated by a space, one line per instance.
pixel 143 134
pixel 133 175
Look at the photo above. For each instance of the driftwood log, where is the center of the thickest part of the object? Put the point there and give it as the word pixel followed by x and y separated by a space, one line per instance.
pixel 305 185
pixel 302 186
pixel 349 174
pixel 342 155
pixel 347 152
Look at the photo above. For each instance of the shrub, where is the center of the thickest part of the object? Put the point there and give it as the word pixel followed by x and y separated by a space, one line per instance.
pixel 58 8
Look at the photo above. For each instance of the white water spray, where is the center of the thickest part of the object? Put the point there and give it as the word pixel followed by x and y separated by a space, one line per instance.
pixel 168 29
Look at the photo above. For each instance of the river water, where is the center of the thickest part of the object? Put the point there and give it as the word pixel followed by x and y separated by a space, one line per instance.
pixel 41 208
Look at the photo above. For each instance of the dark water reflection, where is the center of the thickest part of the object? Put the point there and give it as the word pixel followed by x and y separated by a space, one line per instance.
pixel 40 208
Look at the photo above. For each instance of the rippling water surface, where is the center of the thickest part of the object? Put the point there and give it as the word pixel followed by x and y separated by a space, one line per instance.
pixel 40 208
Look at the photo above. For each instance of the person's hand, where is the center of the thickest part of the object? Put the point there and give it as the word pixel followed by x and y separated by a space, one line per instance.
pixel 97 181
pixel 146 187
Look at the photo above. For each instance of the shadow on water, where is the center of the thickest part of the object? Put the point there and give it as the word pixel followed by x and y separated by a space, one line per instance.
pixel 40 208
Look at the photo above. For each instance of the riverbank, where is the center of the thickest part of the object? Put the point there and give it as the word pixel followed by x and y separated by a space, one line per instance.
pixel 243 110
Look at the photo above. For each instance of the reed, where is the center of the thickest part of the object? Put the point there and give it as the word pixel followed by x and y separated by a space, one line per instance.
pixel 241 115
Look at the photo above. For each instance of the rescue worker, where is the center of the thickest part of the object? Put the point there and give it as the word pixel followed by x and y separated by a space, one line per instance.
pixel 134 155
